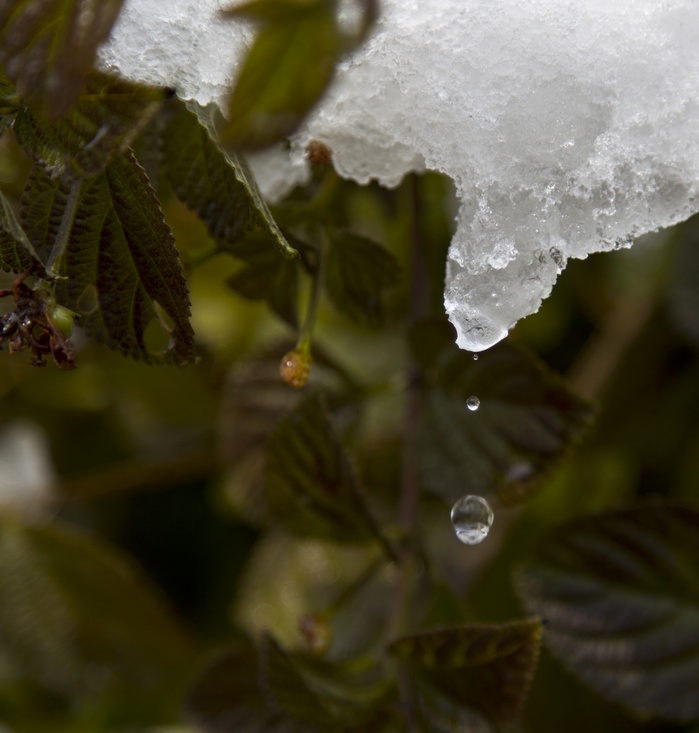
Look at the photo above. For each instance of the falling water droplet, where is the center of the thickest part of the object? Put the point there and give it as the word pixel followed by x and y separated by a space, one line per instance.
pixel 473 403
pixel 475 357
pixel 472 518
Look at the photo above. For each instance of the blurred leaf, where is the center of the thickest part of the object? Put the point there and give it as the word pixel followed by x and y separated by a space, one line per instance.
pixel 278 692
pixel 526 420
pixel 356 272
pixel 120 261
pixel 16 251
pixel 683 293
pixel 310 484
pixel 48 46
pixel 267 276
pixel 620 594
pixel 289 66
pixel 254 400
pixel 10 102
pixel 462 672
pixel 79 618
pixel 218 186
pixel 316 692
pixel 106 118
pixel 315 573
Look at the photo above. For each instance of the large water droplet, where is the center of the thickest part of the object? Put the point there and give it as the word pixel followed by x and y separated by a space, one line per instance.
pixel 473 403
pixel 472 518
pixel 475 357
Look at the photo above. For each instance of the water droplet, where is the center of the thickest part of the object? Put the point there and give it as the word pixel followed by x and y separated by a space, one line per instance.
pixel 472 518
pixel 475 357
pixel 473 403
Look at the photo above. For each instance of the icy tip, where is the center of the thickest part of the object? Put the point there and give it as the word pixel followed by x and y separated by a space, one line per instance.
pixel 475 334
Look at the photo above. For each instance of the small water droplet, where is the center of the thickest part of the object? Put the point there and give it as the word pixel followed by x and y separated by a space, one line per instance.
pixel 475 357
pixel 472 518
pixel 473 403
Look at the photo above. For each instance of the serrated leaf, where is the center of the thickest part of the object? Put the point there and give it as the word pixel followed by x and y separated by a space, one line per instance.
pixel 254 401
pixel 16 251
pixel 49 46
pixel 286 71
pixel 277 692
pixel 620 594
pixel 10 102
pixel 526 420
pixel 120 262
pixel 106 118
pixel 227 698
pixel 315 692
pixel 357 271
pixel 218 186
pixel 77 617
pixel 267 276
pixel 310 483
pixel 462 672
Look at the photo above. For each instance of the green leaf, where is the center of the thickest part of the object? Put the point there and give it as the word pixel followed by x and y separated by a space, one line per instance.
pixel 123 271
pixel 48 46
pixel 310 483
pixel 10 102
pixel 356 272
pixel 70 606
pixel 218 186
pixel 267 276
pixel 16 251
pixel 316 692
pixel 104 121
pixel 461 673
pixel 279 692
pixel 254 401
pixel 620 594
pixel 289 66
pixel 227 698
pixel 527 418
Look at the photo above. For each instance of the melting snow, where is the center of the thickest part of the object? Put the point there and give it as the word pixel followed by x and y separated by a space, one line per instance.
pixel 568 126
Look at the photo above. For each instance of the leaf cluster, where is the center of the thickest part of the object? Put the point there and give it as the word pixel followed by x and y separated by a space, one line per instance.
pixel 325 572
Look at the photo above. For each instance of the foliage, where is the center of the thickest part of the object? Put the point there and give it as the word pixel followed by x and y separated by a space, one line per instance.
pixel 287 494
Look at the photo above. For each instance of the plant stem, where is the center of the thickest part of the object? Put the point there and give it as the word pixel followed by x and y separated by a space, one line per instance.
pixel 408 572
pixel 309 322
pixel 63 236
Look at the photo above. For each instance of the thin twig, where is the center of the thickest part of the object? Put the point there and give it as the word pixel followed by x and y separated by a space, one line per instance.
pixel 410 484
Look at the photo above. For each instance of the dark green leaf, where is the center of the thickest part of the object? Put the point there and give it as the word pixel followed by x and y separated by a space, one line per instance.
pixel 78 617
pixel 103 122
pixel 527 417
pixel 277 692
pixel 218 186
pixel 464 672
pixel 620 594
pixel 48 46
pixel 315 692
pixel 683 292
pixel 289 66
pixel 16 251
pixel 227 698
pixel 271 11
pixel 356 272
pixel 267 276
pixel 311 486
pixel 254 400
pixel 10 102
pixel 120 262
